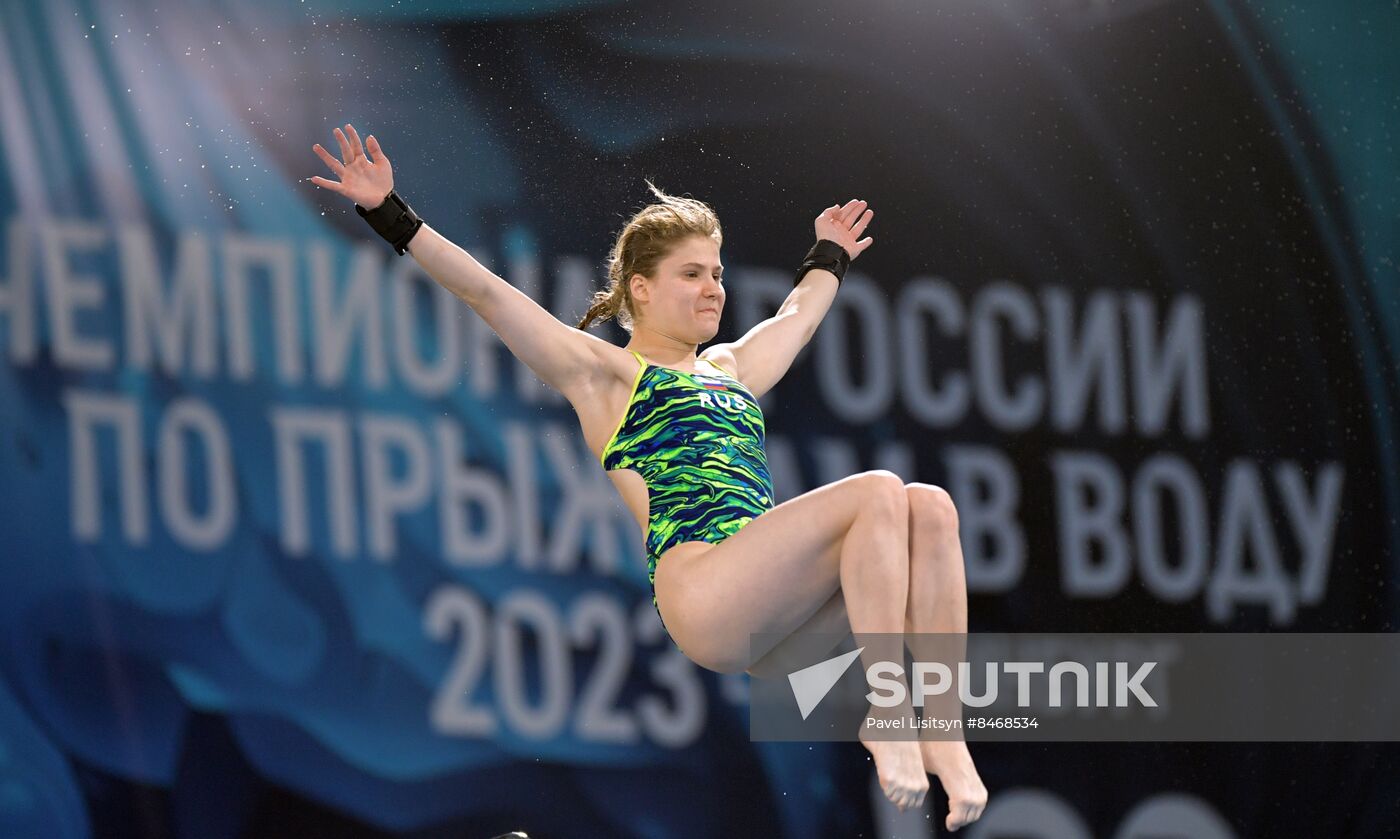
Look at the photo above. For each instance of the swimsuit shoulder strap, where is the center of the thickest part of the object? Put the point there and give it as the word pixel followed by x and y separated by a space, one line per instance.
pixel 717 367
pixel 636 380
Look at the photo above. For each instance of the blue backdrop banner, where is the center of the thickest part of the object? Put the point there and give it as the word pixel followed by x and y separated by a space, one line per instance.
pixel 291 542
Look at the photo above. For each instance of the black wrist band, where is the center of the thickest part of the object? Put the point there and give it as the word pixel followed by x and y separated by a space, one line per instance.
pixel 394 220
pixel 828 256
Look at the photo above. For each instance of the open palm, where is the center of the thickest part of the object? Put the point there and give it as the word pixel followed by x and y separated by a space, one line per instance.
pixel 843 225
pixel 365 178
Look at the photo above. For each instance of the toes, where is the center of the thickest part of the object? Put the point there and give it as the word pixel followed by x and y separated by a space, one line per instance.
pixel 904 797
pixel 963 814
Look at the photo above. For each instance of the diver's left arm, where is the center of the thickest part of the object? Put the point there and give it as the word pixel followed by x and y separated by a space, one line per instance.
pixel 762 357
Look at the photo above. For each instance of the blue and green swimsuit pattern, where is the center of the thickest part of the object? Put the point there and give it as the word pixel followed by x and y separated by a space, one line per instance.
pixel 697 441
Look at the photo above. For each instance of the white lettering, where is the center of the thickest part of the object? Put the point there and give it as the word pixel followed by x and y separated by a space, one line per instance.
pixel 860 307
pixel 1079 363
pixel 945 406
pixel 182 322
pixel 463 488
pixel 1245 526
pixel 242 256
pixel 422 378
pixel 1007 411
pixel 1176 364
pixel 207 532
pixel 290 427
pixel 985 484
pixel 387 497
pixel 336 330
pixel 69 294
pixel 85 410
pixel 1083 523
pixel 17 299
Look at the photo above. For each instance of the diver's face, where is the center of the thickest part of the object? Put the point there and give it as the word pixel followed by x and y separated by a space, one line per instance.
pixel 686 297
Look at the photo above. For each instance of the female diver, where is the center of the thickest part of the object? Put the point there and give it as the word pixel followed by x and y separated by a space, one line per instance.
pixel 681 436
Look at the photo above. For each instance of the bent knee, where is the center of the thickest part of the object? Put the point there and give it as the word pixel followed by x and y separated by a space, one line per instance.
pixel 882 493
pixel 931 506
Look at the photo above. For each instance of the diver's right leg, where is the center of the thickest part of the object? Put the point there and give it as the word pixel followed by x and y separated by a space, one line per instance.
pixel 781 568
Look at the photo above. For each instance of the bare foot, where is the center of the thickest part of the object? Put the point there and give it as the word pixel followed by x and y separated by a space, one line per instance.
pixel 951 762
pixel 900 770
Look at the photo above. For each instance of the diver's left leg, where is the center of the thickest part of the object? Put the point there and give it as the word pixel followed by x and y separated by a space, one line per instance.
pixel 938 604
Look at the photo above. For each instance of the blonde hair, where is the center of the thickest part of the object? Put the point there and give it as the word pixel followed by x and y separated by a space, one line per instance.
pixel 644 241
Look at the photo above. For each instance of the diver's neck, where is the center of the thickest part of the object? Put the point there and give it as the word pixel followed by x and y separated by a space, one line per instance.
pixel 662 348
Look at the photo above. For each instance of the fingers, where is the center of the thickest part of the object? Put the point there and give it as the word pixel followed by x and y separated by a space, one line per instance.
pixel 330 160
pixel 859 227
pixel 375 153
pixel 355 145
pixel 327 184
pixel 846 213
pixel 346 153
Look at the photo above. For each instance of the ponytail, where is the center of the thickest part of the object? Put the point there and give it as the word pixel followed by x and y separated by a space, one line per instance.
pixel 607 303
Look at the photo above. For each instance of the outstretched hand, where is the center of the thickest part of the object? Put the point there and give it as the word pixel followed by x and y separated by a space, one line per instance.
pixel 366 179
pixel 843 225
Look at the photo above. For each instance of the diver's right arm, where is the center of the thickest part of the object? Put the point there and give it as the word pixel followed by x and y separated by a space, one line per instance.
pixel 570 360
pixel 562 356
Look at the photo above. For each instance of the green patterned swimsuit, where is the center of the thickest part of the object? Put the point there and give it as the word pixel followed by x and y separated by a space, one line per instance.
pixel 697 441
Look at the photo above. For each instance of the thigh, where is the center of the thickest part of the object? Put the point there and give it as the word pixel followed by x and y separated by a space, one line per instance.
pixel 770 577
pixel 829 619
